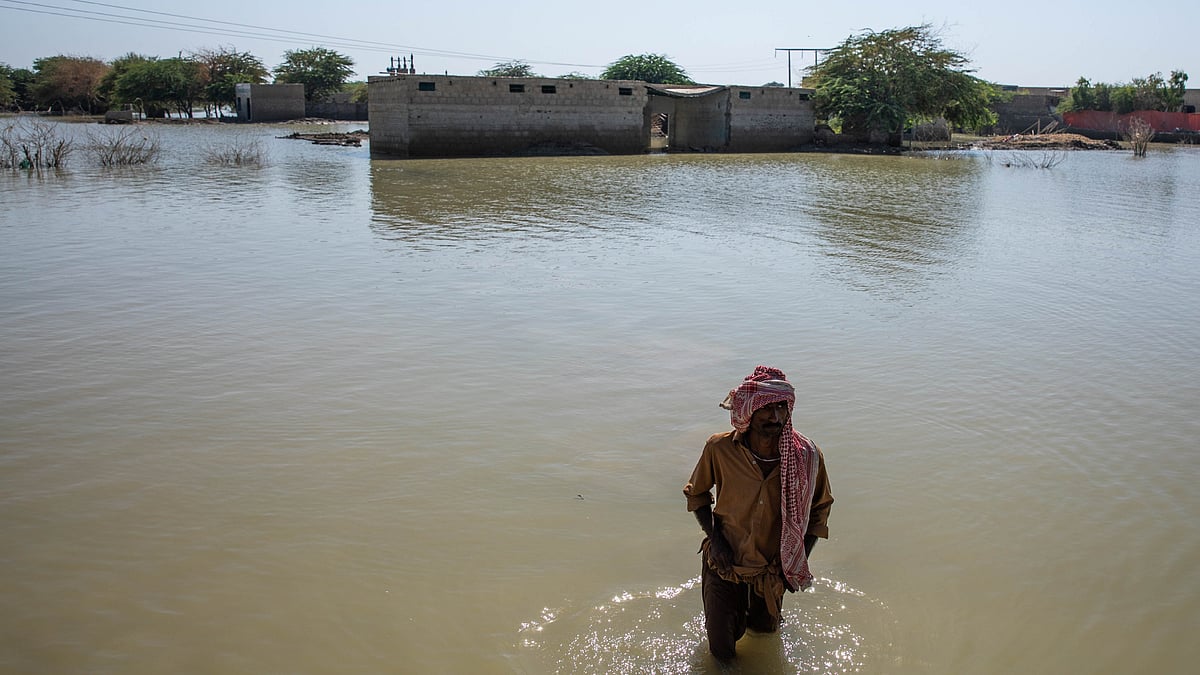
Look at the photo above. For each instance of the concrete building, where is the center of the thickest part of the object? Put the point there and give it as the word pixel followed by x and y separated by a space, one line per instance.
pixel 269 102
pixel 453 116
pixel 733 118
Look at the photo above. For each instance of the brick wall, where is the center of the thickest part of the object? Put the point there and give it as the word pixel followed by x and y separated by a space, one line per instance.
pixel 452 116
pixel 769 119
pixel 269 102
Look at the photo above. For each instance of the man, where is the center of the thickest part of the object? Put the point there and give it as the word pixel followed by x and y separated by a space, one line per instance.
pixel 772 503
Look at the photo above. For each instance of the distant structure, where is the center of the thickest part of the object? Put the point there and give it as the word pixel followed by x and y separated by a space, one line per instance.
pixel 401 66
pixel 269 102
pixel 459 116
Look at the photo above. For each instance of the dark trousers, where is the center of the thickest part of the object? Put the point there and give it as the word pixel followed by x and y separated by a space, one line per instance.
pixel 729 609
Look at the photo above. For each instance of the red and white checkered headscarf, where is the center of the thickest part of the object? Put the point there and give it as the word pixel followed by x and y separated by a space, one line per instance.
pixel 798 465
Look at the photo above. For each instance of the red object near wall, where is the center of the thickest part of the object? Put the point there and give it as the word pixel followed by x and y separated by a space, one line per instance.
pixel 1100 120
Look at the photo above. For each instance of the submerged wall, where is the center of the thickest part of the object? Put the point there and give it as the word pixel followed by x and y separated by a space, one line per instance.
pixel 453 116
pixel 269 102
pixel 769 119
pixel 700 124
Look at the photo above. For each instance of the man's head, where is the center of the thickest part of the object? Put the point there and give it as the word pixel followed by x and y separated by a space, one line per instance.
pixel 766 388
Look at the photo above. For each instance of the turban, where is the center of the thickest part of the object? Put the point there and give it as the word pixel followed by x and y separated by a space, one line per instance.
pixel 798 465
pixel 764 387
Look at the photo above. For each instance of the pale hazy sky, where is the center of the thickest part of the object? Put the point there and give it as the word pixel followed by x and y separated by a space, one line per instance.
pixel 1031 44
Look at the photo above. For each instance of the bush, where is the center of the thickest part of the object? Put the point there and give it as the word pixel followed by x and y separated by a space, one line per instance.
pixel 242 151
pixel 1139 134
pixel 126 147
pixel 33 146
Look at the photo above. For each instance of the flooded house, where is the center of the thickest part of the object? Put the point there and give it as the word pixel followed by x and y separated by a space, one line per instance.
pixel 460 116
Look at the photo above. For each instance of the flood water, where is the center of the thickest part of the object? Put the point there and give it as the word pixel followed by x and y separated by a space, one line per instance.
pixel 337 415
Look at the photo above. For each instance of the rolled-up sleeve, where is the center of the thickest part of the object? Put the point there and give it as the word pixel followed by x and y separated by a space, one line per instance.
pixel 703 480
pixel 818 516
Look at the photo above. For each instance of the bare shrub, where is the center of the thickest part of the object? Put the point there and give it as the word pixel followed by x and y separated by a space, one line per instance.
pixel 128 146
pixel 1139 133
pixel 241 151
pixel 1026 159
pixel 34 146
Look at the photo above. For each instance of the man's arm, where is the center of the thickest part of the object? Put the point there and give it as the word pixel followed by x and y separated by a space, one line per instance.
pixel 818 516
pixel 718 549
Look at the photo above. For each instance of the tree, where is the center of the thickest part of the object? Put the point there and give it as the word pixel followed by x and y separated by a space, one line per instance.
pixel 1172 91
pixel 21 81
pixel 652 68
pixel 8 95
pixel 1142 93
pixel 223 69
pixel 1081 97
pixel 357 90
pixel 68 82
pixel 322 71
pixel 886 80
pixel 162 84
pixel 575 75
pixel 107 89
pixel 509 69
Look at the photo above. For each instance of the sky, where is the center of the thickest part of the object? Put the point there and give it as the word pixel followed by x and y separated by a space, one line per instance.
pixel 1033 44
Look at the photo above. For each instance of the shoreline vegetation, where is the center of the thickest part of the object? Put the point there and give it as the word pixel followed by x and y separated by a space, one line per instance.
pixel 1057 141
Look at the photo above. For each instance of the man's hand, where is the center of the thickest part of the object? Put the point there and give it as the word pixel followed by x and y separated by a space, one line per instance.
pixel 720 553
pixel 719 550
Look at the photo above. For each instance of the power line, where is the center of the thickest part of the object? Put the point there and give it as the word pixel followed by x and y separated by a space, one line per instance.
pixel 816 56
pixel 249 31
pixel 232 29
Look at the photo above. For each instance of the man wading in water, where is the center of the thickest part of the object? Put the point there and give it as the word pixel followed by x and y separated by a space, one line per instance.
pixel 772 503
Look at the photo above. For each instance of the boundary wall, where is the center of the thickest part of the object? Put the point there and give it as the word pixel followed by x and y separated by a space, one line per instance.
pixel 453 116
pixel 269 102
pixel 769 119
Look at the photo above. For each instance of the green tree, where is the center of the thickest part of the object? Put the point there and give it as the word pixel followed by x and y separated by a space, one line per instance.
pixel 107 88
pixel 1173 90
pixel 1081 97
pixel 22 85
pixel 886 80
pixel 322 71
pixel 652 68
pixel 8 94
pixel 575 75
pixel 162 85
pixel 1104 95
pixel 68 82
pixel 509 69
pixel 1142 93
pixel 1124 98
pixel 357 91
pixel 223 69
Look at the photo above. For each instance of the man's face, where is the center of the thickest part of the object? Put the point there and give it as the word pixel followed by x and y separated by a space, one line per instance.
pixel 769 419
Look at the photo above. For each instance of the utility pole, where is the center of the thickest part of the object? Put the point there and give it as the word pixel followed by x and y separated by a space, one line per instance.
pixel 816 57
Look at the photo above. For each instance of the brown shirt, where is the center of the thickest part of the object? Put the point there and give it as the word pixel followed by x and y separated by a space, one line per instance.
pixel 748 504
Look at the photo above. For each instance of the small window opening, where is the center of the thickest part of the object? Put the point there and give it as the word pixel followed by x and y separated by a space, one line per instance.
pixel 549 89
pixel 516 88
pixel 744 94
pixel 625 91
pixel 426 86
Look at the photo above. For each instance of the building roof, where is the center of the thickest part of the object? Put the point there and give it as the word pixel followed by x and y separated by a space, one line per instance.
pixel 684 90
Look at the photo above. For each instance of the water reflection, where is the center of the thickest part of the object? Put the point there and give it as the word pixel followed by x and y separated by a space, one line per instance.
pixel 882 222
pixel 429 203
pixel 890 222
